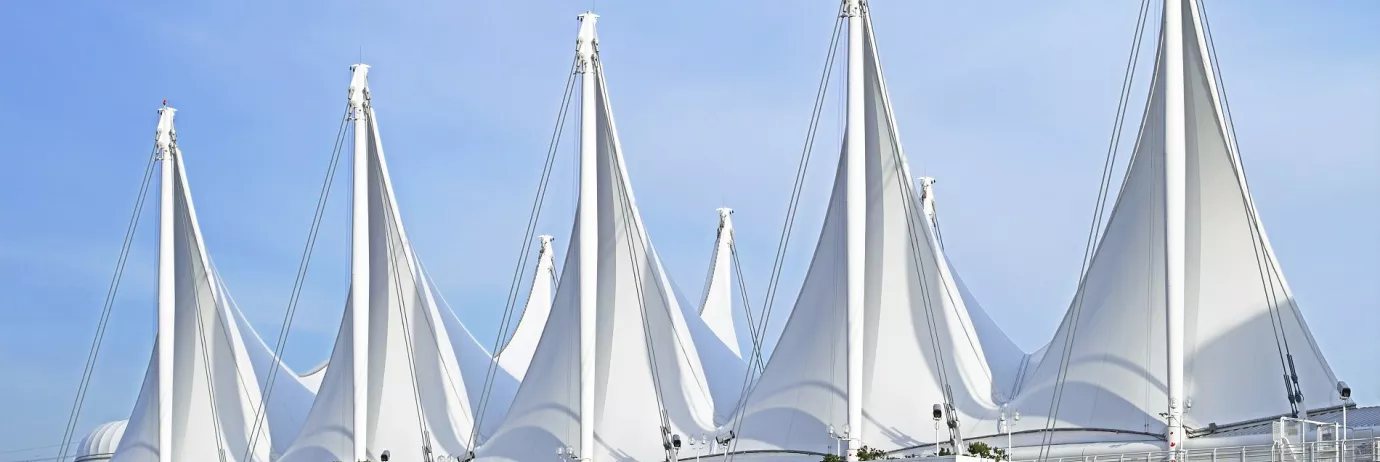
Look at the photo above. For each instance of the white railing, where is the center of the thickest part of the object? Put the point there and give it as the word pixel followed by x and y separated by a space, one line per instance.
pixel 1352 450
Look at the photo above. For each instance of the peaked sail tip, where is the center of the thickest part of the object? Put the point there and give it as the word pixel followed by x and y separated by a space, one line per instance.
pixel 164 134
pixel 359 76
pixel 586 37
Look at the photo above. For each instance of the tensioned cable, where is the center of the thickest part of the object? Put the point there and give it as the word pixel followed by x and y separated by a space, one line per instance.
pixel 216 427
pixel 553 146
pixel 216 287
pixel 34 448
pixel 303 263
pixel 914 214
pixel 396 246
pixel 1104 189
pixel 1264 259
pixel 219 295
pixel 747 306
pixel 632 227
pixel 974 344
pixel 94 352
pixel 793 205
pixel 916 243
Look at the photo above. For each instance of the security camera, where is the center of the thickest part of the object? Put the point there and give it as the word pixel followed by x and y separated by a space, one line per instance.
pixel 675 441
pixel 1344 390
pixel 938 412
pixel 385 456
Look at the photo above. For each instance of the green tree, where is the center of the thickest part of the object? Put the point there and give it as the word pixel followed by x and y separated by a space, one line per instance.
pixel 986 451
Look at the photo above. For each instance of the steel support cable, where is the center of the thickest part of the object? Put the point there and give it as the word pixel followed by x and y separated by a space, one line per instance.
pixel 974 344
pixel 533 218
pixel 32 448
pixel 208 269
pixel 632 227
pixel 938 230
pixel 1099 209
pixel 648 343
pixel 793 204
pixel 916 244
pixel 931 322
pixel 914 214
pixel 757 341
pixel 323 197
pixel 1264 259
pixel 396 246
pixel 647 340
pixel 93 353
pixel 216 427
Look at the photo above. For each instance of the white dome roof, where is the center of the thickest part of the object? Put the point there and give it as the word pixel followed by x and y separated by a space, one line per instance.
pixel 102 441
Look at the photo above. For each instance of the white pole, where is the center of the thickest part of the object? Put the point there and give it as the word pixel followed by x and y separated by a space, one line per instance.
pixel 1175 173
pixel 936 438
pixel 856 225
pixel 588 214
pixel 1344 427
pixel 167 281
pixel 1006 427
pixel 359 262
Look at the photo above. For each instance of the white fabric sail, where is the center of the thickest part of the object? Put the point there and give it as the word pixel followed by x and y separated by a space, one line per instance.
pixel 416 395
pixel 214 394
pixel 716 308
pixel 475 365
pixel 289 398
pixel 516 355
pixel 312 377
pixel 647 363
pixel 507 369
pixel 918 334
pixel 714 328
pixel 1238 308
pixel 1005 360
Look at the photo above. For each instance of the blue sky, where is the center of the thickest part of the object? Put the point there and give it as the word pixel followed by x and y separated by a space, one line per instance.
pixel 1009 104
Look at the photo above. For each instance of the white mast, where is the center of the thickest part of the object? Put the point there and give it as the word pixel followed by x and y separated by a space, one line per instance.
pixel 855 198
pixel 589 228
pixel 1175 172
pixel 166 140
pixel 359 260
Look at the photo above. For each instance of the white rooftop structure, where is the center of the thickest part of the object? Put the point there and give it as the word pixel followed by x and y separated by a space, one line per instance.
pixel 615 372
pixel 100 444
pixel 916 343
pixel 1238 311
pixel 206 388
pixel 394 383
